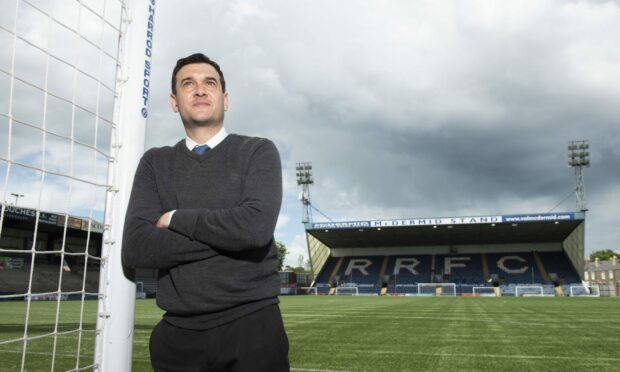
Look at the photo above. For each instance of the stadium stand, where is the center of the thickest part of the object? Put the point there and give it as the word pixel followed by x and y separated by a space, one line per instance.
pixel 362 272
pixel 322 281
pixel 407 271
pixel 45 279
pixel 52 237
pixel 518 268
pixel 461 269
pixel 403 273
pixel 517 254
pixel 559 266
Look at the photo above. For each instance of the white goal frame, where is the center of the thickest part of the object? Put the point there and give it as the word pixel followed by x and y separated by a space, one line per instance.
pixel 435 286
pixel 114 341
pixel 355 291
pixel 127 77
pixel 492 294
pixel 586 288
pixel 307 291
pixel 522 287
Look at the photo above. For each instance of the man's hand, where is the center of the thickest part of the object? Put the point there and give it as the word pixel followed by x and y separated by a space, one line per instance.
pixel 164 220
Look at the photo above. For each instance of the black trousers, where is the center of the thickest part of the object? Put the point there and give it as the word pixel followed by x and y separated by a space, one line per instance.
pixel 256 342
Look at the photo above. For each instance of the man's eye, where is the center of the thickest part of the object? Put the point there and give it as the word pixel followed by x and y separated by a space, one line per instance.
pixel 211 83
pixel 187 84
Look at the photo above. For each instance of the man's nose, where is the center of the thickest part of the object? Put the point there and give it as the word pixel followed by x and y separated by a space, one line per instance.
pixel 201 90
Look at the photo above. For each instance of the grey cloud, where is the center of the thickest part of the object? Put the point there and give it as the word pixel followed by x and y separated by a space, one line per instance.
pixel 418 109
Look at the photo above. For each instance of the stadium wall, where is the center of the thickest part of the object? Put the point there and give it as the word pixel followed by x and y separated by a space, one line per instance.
pixel 574 246
pixel 319 253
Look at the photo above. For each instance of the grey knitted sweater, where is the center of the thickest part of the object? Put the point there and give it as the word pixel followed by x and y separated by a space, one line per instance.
pixel 217 260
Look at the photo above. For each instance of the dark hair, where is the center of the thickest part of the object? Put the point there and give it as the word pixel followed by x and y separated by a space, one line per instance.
pixel 196 58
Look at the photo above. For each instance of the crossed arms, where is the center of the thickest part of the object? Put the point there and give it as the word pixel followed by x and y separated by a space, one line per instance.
pixel 197 234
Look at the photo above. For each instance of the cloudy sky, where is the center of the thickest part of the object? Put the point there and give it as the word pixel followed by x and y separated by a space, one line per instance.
pixel 414 108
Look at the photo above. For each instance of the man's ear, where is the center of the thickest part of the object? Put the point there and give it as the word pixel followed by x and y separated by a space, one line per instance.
pixel 173 102
pixel 226 101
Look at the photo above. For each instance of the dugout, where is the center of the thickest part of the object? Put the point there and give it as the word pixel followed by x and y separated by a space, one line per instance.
pixel 492 234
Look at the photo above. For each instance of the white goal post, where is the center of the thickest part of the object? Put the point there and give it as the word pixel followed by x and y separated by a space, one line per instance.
pixel 306 291
pixel 74 79
pixel 584 290
pixel 437 289
pixel 346 291
pixel 115 323
pixel 529 290
pixel 484 291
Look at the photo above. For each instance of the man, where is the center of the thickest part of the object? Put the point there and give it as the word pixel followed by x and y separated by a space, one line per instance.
pixel 203 212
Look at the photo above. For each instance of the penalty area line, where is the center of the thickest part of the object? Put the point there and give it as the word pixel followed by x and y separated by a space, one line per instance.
pixel 315 370
pixel 497 356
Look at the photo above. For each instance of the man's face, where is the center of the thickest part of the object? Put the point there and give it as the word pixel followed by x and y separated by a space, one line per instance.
pixel 199 98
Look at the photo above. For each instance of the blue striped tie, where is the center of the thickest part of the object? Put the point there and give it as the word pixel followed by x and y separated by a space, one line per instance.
pixel 201 149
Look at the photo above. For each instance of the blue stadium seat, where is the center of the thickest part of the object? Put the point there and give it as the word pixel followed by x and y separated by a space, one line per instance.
pixel 404 272
pixel 558 263
pixel 514 268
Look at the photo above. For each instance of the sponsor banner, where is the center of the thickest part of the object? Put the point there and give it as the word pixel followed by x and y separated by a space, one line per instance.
pixel 341 225
pixel 408 222
pixel 30 215
pixel 539 217
pixel 94 226
pixel 449 221
pixel 437 221
pixel 75 223
pixel 72 222
pixel 20 214
pixel 48 218
pixel 148 52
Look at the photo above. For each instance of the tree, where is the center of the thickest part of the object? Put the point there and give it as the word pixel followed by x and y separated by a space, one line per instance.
pixel 303 265
pixel 297 269
pixel 282 252
pixel 603 255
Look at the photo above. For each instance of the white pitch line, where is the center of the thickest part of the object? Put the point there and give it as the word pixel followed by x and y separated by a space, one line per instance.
pixel 379 317
pixel 67 355
pixel 501 356
pixel 315 370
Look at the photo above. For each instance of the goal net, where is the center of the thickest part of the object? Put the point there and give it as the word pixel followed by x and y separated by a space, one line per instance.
pixel 584 290
pixel 346 291
pixel 484 291
pixel 59 182
pixel 436 289
pixel 406 289
pixel 529 290
pixel 306 291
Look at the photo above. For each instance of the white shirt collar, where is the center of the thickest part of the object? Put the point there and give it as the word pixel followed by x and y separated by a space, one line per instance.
pixel 214 141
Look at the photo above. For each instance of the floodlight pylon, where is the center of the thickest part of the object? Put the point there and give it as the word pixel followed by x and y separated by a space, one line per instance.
pixel 578 158
pixel 305 179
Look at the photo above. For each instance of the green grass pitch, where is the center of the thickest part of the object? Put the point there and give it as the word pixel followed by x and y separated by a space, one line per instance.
pixel 377 334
